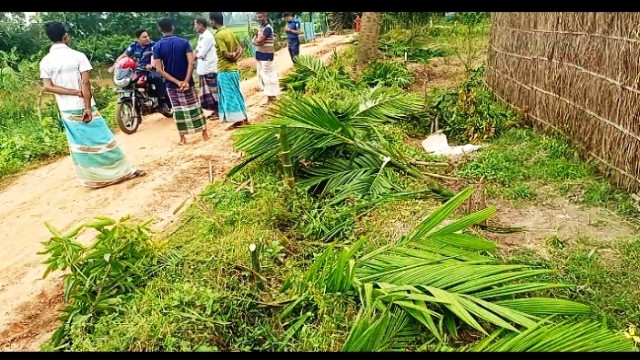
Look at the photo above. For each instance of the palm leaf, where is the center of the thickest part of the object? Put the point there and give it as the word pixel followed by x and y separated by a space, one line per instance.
pixel 561 337
pixel 437 278
pixel 373 330
pixel 363 176
pixel 381 103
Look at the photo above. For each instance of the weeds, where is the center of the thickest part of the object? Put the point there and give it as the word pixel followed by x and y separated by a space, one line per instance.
pixel 102 275
pixel 470 113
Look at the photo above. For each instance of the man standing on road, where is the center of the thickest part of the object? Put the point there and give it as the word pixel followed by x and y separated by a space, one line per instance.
pixel 207 67
pixel 96 156
pixel 136 51
pixel 231 104
pixel 174 60
pixel 266 69
pixel 293 34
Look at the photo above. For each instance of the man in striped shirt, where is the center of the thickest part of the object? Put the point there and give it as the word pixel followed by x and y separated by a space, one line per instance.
pixel 265 65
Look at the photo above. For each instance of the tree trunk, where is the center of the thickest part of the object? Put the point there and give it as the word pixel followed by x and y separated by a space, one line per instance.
pixel 369 33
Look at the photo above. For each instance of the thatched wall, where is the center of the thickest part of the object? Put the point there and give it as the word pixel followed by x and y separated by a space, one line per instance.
pixel 576 73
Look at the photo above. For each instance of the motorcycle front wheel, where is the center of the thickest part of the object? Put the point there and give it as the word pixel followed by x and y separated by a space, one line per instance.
pixel 125 119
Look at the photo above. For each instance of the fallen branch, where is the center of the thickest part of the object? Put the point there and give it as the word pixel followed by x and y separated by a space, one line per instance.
pixel 428 163
pixel 502 230
pixel 437 176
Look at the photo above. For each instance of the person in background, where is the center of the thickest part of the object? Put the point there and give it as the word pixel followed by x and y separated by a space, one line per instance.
pixel 293 31
pixel 265 66
pixel 174 60
pixel 231 104
pixel 97 158
pixel 357 23
pixel 207 67
pixel 135 51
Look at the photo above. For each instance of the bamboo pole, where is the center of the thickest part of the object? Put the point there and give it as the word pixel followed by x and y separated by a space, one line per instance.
pixel 285 157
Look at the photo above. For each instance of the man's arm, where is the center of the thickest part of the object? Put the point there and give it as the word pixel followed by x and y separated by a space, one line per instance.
pixel 128 52
pixel 190 61
pixel 48 86
pixel 86 89
pixel 85 74
pixel 296 28
pixel 224 50
pixel 262 37
pixel 205 43
pixel 160 69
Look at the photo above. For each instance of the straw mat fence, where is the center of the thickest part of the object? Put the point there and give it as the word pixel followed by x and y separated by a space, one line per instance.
pixel 578 74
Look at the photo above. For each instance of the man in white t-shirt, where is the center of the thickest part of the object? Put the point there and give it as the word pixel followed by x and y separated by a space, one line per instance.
pixel 97 158
pixel 207 67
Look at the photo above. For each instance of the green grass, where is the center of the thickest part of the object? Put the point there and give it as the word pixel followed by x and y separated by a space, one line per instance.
pixel 525 166
pixel 607 275
pixel 206 297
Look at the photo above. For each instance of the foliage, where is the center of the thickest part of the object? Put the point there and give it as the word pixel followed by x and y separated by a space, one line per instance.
pixel 385 74
pixel 469 113
pixel 25 136
pixel 412 43
pixel 438 277
pixel 336 147
pixel 309 72
pixel 102 275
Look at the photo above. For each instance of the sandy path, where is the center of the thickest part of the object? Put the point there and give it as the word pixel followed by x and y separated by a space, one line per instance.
pixel 28 303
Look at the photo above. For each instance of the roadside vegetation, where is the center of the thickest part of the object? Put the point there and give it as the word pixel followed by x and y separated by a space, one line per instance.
pixel 338 232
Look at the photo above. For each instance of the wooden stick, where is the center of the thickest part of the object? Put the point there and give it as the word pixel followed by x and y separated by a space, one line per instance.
pixel 210 171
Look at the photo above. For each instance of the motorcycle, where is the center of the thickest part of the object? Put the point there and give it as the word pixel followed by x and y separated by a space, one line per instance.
pixel 137 96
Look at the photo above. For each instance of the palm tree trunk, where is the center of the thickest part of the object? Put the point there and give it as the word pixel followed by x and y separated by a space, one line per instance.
pixel 368 46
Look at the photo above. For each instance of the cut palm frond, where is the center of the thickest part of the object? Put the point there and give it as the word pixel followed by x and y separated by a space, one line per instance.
pixel 309 69
pixel 380 330
pixel 440 277
pixel 562 337
pixel 324 138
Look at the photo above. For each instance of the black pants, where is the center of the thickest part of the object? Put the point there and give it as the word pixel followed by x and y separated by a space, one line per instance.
pixel 294 49
pixel 155 79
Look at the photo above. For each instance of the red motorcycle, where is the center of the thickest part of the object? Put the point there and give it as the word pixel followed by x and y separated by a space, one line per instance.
pixel 137 96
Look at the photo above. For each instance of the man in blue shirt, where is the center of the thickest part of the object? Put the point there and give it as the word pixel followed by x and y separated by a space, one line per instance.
pixel 293 31
pixel 136 51
pixel 174 60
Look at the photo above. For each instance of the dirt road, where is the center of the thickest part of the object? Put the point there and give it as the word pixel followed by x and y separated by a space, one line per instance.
pixel 28 303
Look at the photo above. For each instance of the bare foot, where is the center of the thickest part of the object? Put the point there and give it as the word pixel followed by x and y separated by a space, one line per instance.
pixel 205 135
pixel 183 140
pixel 238 124
pixel 139 173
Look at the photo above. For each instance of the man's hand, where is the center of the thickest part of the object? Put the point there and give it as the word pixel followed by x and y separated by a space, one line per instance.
pixel 149 67
pixel 237 55
pixel 184 86
pixel 286 28
pixel 79 93
pixel 87 115
pixel 110 69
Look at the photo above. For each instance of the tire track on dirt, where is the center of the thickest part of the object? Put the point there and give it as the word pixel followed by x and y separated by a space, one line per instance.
pixel 28 303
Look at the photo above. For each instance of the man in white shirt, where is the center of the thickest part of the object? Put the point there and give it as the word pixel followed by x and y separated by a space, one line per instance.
pixel 207 67
pixel 97 158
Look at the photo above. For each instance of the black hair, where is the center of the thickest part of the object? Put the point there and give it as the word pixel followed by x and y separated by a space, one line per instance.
pixel 55 31
pixel 165 25
pixel 216 17
pixel 287 14
pixel 202 21
pixel 139 32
